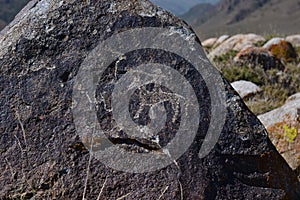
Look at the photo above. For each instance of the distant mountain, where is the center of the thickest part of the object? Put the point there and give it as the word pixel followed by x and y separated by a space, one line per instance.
pixel 8 10
pixel 199 13
pixel 279 17
pixel 179 7
pixel 214 17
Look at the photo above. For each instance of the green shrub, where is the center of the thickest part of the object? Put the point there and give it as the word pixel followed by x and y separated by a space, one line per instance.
pixel 225 58
pixel 236 73
pixel 276 85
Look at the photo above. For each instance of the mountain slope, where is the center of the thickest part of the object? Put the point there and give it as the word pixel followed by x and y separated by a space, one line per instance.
pixel 241 16
pixel 9 8
pixel 199 13
pixel 179 7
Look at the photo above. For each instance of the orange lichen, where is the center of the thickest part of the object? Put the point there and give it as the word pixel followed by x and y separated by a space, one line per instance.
pixel 284 51
pixel 286 129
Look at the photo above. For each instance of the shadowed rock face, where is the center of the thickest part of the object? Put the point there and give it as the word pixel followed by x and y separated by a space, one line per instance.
pixel 42 155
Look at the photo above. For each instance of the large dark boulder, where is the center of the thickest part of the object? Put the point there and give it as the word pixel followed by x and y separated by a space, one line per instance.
pixel 44 155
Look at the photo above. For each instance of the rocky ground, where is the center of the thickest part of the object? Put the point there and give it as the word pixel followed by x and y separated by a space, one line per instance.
pixel 266 74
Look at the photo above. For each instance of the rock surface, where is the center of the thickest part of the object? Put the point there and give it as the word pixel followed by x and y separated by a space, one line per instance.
pixel 283 125
pixel 42 155
pixel 245 88
pixel 236 43
pixel 294 40
pixel 284 51
pixel 259 56
pixel 281 49
pixel 275 40
pixel 220 40
pixel 209 42
pixel 278 115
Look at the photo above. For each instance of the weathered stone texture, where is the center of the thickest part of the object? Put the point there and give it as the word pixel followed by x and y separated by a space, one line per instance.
pixel 41 153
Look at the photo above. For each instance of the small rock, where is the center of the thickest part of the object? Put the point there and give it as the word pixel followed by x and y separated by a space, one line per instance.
pixel 294 40
pixel 247 40
pixel 220 40
pixel 278 115
pixel 259 56
pixel 273 41
pixel 295 97
pixel 283 51
pixel 209 42
pixel 245 88
pixel 236 43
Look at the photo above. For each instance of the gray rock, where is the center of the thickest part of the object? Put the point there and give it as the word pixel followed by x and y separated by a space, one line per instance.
pixel 237 43
pixel 294 40
pixel 281 49
pixel 43 155
pixel 209 42
pixel 282 121
pixel 278 115
pixel 220 40
pixel 257 56
pixel 273 41
pixel 245 88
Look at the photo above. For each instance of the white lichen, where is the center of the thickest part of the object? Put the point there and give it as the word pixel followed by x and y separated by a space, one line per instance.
pixel 186 34
pixel 112 8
